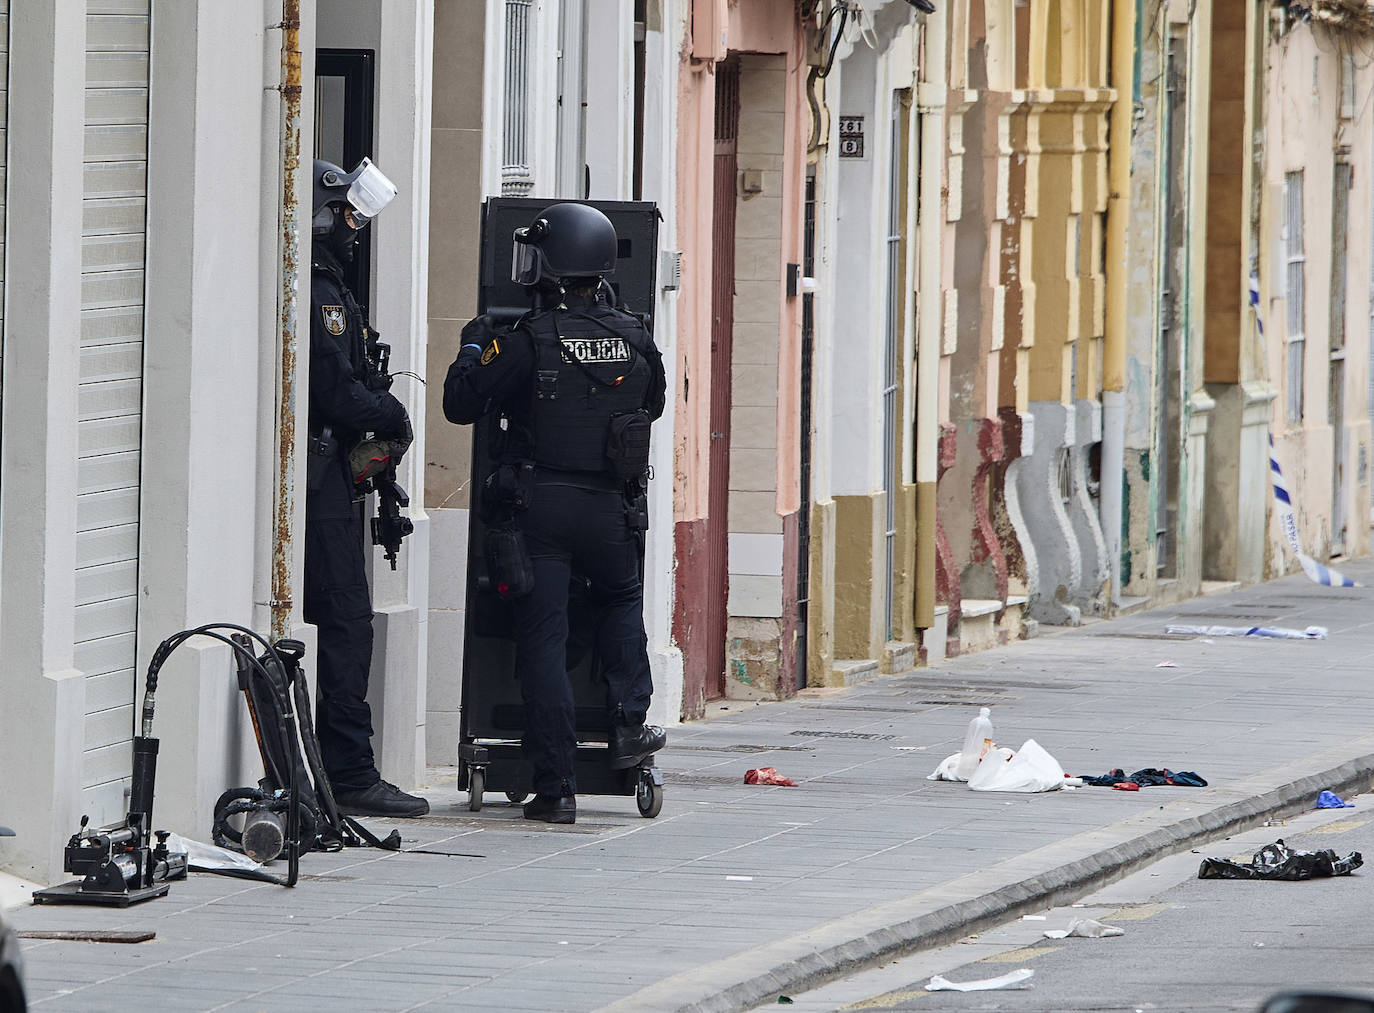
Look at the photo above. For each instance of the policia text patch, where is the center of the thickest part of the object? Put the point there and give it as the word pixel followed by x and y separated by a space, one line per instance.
pixel 607 349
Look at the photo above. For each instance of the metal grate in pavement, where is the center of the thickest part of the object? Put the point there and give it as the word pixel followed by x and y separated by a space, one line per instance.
pixel 745 748
pixel 865 736
pixel 685 779
pixel 1143 636
pixel 1244 614
pixel 514 822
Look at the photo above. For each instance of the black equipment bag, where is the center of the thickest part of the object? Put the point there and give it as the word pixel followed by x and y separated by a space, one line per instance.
pixel 627 445
pixel 508 562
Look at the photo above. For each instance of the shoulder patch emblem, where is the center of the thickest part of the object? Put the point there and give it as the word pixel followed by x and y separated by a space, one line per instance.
pixel 491 352
pixel 334 319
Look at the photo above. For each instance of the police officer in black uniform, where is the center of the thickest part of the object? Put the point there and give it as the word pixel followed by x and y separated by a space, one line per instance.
pixel 578 381
pixel 347 402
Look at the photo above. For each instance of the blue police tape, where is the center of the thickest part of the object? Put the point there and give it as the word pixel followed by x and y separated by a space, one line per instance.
pixel 1316 572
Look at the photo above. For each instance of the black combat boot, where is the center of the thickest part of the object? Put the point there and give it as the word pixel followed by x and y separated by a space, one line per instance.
pixel 630 744
pixel 552 809
pixel 380 799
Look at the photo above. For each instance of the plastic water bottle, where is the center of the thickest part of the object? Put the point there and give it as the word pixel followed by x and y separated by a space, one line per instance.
pixel 977 741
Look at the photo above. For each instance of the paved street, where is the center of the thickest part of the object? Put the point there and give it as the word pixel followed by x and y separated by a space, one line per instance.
pixel 737 892
pixel 1211 946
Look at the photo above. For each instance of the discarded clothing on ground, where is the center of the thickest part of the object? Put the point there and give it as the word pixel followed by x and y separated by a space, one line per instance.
pixel 1146 778
pixel 768 775
pixel 1279 861
pixel 1330 800
pixel 1274 632
pixel 1085 928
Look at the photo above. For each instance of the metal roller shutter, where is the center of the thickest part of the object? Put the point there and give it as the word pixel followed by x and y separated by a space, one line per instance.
pixel 4 141
pixel 110 396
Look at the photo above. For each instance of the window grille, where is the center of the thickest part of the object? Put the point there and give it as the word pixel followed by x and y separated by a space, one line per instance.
pixel 1294 291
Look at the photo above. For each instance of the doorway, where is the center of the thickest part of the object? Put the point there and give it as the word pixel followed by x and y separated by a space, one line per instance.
pixel 722 347
pixel 344 135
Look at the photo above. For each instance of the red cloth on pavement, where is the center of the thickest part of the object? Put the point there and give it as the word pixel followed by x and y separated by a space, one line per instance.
pixel 768 775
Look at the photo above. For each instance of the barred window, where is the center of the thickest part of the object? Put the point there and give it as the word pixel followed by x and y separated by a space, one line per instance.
pixel 1294 291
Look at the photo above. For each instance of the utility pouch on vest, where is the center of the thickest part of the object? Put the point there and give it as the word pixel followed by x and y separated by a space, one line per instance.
pixel 508 563
pixel 320 453
pixel 637 512
pixel 627 445
pixel 508 490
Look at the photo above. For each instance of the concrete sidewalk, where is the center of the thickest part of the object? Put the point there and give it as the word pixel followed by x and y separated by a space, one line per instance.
pixel 738 893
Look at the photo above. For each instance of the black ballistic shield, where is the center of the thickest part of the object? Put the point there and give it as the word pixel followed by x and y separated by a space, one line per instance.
pixel 492 718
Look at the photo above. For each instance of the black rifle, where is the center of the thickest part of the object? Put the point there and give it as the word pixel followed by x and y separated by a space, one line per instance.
pixel 390 526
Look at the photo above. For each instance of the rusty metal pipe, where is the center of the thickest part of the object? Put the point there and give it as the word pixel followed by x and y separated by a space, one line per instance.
pixel 285 505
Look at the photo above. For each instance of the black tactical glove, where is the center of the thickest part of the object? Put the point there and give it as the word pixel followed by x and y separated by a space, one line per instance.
pixel 400 444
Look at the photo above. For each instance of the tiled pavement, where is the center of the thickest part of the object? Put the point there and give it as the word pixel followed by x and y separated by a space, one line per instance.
pixel 737 892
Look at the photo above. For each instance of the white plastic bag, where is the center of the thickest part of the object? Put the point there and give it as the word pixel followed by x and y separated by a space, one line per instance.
pixel 1031 769
pixel 977 743
pixel 210 857
pixel 1012 979
pixel 948 770
pixel 1085 928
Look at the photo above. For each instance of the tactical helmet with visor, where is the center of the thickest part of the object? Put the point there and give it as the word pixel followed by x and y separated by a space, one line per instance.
pixel 345 202
pixel 564 243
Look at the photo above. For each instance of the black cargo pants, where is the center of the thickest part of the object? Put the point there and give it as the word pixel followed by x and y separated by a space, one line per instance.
pixel 569 530
pixel 339 603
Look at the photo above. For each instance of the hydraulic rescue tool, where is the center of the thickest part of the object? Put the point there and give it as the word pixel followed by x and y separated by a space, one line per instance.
pixel 120 864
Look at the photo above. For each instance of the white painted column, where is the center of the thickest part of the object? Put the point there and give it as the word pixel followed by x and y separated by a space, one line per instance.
pixel 664 28
pixel 205 528
pixel 42 729
pixel 400 313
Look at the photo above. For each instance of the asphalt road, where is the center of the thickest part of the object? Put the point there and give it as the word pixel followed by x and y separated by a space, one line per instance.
pixel 1190 945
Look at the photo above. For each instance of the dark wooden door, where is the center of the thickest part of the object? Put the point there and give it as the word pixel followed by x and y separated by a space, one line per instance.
pixel 722 325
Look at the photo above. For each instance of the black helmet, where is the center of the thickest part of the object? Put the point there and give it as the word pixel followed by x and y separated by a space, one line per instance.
pixel 566 241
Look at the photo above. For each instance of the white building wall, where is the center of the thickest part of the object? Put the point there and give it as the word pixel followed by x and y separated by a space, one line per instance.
pixel 857 195
pixel 210 359
pixel 1306 130
pixel 664 29
pixel 42 731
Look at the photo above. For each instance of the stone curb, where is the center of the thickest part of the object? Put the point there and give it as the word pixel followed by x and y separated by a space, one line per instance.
pixel 1066 871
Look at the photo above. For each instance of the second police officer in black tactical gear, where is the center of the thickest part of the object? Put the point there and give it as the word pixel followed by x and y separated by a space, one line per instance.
pixel 578 382
pixel 347 403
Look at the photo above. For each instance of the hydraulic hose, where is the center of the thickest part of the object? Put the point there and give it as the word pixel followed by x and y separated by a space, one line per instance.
pixel 286 716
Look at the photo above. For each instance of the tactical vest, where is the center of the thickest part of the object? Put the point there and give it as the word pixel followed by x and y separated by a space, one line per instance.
pixel 354 340
pixel 589 368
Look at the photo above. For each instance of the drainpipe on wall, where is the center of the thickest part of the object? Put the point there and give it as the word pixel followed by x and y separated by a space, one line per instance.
pixel 1114 351
pixel 285 492
pixel 930 101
